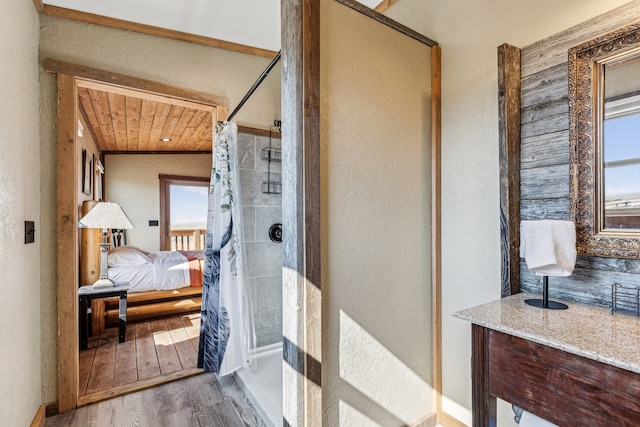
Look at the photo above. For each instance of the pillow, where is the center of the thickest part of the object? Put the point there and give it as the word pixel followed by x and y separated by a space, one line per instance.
pixel 128 255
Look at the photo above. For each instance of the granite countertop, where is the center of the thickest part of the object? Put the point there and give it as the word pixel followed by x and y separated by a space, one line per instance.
pixel 585 330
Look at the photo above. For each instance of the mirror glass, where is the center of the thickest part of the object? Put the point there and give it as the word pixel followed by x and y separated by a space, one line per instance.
pixel 604 136
pixel 621 144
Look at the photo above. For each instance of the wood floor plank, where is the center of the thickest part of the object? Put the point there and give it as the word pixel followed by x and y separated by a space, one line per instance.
pixel 85 363
pixel 148 365
pixel 191 323
pixel 125 369
pixel 101 375
pixel 167 355
pixel 186 352
pixel 200 400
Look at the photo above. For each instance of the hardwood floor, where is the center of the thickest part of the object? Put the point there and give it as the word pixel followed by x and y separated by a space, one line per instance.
pixel 155 350
pixel 202 400
pixel 152 349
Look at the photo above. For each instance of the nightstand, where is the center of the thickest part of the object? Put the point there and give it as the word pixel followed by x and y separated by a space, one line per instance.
pixel 88 293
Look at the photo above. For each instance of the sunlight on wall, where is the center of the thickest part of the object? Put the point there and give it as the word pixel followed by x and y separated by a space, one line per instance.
pixel 367 366
pixel 351 416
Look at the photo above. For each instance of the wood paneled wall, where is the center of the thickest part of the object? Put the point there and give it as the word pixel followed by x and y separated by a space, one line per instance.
pixel 544 168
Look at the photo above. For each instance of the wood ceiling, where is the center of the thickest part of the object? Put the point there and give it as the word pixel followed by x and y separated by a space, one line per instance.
pixel 127 120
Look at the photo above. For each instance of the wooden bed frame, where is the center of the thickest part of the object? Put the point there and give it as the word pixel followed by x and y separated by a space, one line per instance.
pixel 140 305
pixel 150 304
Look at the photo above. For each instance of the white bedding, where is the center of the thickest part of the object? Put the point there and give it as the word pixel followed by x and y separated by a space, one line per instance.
pixel 152 271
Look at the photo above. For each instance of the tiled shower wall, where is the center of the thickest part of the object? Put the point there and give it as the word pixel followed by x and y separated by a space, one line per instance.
pixel 264 257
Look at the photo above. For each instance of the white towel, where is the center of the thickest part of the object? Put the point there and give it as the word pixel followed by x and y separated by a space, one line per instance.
pixel 549 246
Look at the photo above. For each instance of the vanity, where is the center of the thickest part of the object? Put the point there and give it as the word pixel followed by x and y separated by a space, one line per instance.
pixel 574 367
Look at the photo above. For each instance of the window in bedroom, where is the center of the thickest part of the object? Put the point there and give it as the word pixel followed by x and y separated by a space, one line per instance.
pixel 183 212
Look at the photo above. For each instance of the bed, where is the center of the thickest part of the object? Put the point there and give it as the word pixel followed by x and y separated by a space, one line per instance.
pixel 160 284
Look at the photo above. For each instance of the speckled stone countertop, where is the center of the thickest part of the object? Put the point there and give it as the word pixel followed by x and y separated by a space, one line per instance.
pixel 585 330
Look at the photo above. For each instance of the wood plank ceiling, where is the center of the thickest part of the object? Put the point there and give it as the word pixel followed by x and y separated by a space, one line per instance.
pixel 127 120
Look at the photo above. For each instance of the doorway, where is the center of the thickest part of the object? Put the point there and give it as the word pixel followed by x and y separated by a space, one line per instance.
pixel 71 80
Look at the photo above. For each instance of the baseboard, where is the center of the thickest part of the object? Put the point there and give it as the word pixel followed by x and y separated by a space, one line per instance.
pixel 53 409
pixel 38 420
pixel 448 421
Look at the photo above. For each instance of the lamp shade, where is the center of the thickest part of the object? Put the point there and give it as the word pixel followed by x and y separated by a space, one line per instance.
pixel 106 215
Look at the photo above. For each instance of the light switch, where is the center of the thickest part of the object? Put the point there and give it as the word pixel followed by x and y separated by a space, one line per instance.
pixel 29 232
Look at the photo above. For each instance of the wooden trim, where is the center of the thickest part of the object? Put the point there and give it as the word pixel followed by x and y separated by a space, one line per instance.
pixel 150 96
pixel 436 224
pixel 39 6
pixel 67 244
pixel 38 419
pixel 394 25
pixel 137 386
pixel 184 178
pixel 449 421
pixel 75 15
pixel 259 132
pixel 384 5
pixel 52 409
pixel 483 403
pixel 509 154
pixel 61 67
pixel 165 212
pixel 302 309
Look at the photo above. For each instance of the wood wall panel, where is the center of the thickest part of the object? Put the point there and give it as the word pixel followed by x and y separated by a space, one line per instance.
pixel 544 166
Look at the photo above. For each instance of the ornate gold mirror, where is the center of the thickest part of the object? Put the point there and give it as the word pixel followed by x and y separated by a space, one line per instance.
pixel 604 133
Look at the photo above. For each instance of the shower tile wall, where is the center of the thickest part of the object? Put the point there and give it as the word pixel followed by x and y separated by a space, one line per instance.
pixel 264 257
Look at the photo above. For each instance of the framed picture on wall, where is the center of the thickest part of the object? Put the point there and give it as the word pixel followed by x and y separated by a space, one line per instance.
pixel 87 172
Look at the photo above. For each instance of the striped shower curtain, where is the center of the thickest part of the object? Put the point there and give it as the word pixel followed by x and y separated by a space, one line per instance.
pixel 222 348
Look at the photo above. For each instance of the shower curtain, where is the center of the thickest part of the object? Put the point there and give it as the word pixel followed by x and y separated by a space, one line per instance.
pixel 225 329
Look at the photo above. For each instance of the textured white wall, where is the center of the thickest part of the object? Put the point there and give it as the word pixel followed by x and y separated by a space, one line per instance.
pixel 469 32
pixel 173 62
pixel 375 114
pixel 132 181
pixel 19 201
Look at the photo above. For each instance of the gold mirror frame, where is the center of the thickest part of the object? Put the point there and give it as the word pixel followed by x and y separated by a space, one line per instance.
pixel 585 139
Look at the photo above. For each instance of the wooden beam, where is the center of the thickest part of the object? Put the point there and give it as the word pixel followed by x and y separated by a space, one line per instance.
pixel 150 96
pixel 436 224
pixel 509 159
pixel 75 15
pixel 376 16
pixel 302 307
pixel 384 5
pixel 39 6
pixel 60 67
pixel 68 272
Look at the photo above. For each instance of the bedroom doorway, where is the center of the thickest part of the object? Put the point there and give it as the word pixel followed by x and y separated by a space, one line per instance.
pixel 102 101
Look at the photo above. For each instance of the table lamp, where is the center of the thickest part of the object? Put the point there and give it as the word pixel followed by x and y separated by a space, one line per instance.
pixel 105 215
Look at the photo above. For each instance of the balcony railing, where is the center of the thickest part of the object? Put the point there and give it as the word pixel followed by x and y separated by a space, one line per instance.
pixel 185 240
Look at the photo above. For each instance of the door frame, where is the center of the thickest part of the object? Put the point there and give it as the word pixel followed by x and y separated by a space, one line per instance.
pixel 68 211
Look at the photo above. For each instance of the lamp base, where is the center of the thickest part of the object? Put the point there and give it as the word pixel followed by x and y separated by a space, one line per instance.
pixel 104 283
pixel 552 305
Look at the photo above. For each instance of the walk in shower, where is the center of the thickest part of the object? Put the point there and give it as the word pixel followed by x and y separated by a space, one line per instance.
pixel 261 209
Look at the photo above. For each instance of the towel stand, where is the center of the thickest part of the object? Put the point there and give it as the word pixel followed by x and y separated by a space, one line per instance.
pixel 544 302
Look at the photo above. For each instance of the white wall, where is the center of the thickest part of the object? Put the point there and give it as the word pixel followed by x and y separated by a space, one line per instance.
pixel 19 201
pixel 375 180
pixel 469 33
pixel 173 62
pixel 132 181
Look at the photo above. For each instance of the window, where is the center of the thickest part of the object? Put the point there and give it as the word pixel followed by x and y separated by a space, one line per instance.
pixel 183 212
